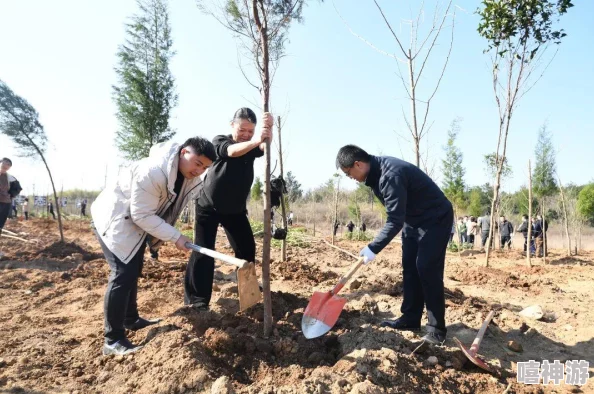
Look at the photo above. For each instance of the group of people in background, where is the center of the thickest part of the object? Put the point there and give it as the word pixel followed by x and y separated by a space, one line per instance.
pixel 350 226
pixel 470 227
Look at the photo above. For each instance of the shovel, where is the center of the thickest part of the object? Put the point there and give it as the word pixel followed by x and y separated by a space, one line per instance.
pixel 247 281
pixel 472 353
pixel 324 308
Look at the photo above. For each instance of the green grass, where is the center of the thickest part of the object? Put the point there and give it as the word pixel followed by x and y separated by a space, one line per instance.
pixel 357 236
pixel 454 247
pixel 296 237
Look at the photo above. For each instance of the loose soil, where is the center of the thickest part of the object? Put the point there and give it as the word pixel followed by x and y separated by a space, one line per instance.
pixel 51 320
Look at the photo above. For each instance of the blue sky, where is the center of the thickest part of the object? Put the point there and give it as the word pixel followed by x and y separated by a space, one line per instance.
pixel 60 56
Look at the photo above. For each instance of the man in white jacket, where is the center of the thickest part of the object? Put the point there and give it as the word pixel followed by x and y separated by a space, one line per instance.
pixel 142 206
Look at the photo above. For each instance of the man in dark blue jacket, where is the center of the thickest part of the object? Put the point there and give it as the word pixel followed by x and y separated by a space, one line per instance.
pixel 415 205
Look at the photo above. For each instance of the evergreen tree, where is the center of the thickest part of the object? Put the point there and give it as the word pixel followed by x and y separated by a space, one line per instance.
pixel 293 188
pixel 256 192
pixel 145 93
pixel 453 171
pixel 543 177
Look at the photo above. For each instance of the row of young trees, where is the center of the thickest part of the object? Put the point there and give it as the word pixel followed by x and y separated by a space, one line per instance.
pixel 518 34
pixel 570 204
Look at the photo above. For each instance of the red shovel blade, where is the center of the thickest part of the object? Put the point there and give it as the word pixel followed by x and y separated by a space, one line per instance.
pixel 321 314
pixel 475 358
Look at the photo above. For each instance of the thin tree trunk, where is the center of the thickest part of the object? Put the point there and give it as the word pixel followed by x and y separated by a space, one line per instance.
pixel 413 101
pixel 529 239
pixel 335 209
pixel 282 174
pixel 544 234
pixel 265 77
pixel 53 186
pixel 566 221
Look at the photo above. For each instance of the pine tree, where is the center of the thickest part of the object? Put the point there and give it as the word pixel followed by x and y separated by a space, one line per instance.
pixel 543 177
pixel 256 192
pixel 145 93
pixel 453 171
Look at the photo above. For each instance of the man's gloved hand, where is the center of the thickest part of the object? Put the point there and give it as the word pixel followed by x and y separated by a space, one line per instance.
pixel 367 255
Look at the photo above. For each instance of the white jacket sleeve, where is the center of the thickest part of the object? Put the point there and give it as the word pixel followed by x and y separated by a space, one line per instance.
pixel 146 189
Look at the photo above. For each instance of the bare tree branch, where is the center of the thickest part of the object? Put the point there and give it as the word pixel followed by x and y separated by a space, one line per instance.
pixel 445 16
pixel 442 73
pixel 243 73
pixel 363 39
pixel 404 52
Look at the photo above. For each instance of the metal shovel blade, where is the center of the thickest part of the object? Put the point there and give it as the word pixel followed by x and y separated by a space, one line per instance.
pixel 475 358
pixel 321 314
pixel 248 287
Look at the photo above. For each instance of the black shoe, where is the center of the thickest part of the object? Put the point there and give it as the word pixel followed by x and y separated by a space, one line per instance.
pixel 399 324
pixel 198 307
pixel 120 348
pixel 434 338
pixel 141 323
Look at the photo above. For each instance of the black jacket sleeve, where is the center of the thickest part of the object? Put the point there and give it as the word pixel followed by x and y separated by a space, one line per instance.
pixel 221 143
pixel 15 188
pixel 394 192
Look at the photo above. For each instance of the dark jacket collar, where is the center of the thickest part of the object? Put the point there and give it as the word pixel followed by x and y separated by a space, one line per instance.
pixel 374 172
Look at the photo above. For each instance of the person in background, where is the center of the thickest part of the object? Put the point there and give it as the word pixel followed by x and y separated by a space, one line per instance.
pixel 523 228
pixel 544 227
pixel 506 231
pixel 83 207
pixel 461 231
pixel 350 226
pixel 50 210
pixel 5 197
pixel 471 228
pixel 484 223
pixel 26 208
pixel 452 232
pixel 15 208
pixel 290 220
pixel 363 227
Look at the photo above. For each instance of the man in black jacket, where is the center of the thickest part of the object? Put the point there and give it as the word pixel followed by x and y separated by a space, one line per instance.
pixel 523 228
pixel 415 205
pixel 506 231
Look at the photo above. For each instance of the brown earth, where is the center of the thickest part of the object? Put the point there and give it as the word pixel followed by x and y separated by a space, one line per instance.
pixel 52 309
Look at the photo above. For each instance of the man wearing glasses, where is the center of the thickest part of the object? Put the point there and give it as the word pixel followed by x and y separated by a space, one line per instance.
pixel 415 205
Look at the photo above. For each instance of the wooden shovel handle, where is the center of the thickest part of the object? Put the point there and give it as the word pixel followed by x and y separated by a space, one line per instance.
pixel 345 278
pixel 216 255
pixel 479 337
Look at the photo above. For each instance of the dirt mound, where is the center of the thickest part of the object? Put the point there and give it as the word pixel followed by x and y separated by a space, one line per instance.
pixel 60 250
pixel 493 276
pixel 296 271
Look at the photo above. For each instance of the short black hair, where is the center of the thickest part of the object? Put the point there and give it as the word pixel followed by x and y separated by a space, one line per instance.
pixel 245 113
pixel 524 216
pixel 349 154
pixel 201 146
pixel 8 160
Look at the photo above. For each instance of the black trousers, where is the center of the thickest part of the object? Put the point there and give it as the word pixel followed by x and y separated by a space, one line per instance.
pixel 423 263
pixel 506 241
pixel 5 208
pixel 120 305
pixel 200 270
pixel 51 212
pixel 471 239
